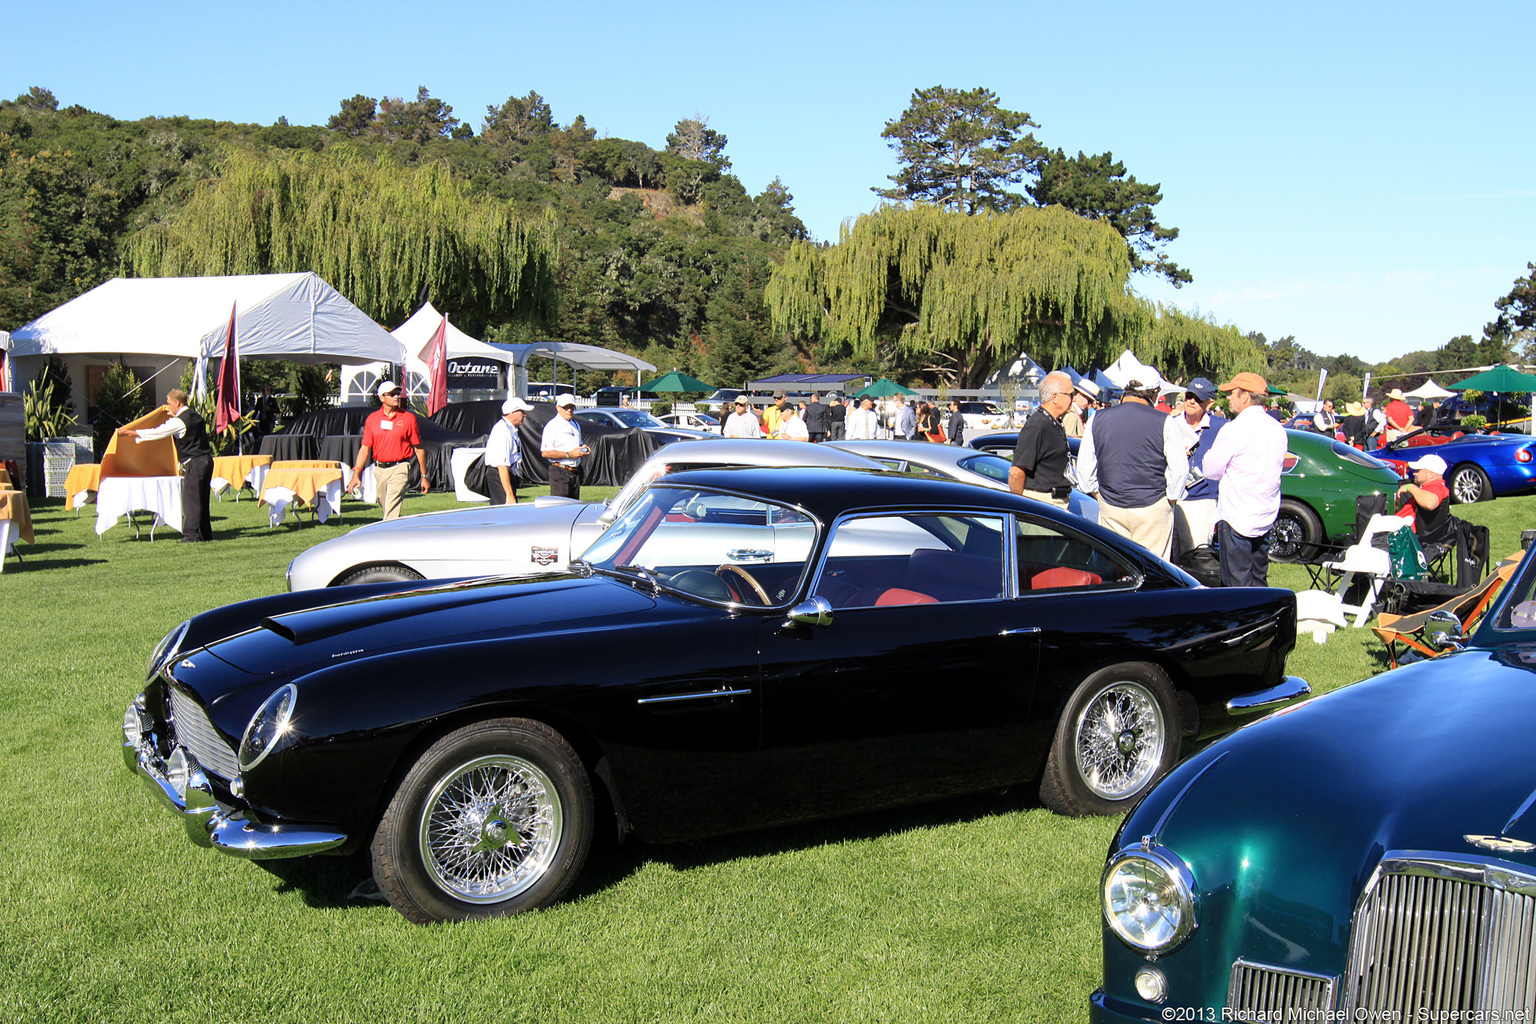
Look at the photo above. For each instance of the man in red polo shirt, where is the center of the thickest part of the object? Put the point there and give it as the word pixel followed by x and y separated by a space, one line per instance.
pixel 390 437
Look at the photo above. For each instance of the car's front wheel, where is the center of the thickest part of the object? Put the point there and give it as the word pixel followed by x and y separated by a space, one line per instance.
pixel 493 819
pixel 1470 484
pixel 379 574
pixel 1118 735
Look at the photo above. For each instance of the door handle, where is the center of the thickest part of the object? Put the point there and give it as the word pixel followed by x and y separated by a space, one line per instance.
pixel 748 555
pixel 1021 631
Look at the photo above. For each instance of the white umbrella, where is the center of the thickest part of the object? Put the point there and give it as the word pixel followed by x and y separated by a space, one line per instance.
pixel 1430 390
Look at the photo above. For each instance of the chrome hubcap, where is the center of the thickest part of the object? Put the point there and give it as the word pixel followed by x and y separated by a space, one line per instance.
pixel 1121 736
pixel 490 829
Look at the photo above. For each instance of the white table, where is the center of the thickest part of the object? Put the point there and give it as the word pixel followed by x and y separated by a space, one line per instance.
pixel 258 474
pixel 326 499
pixel 8 532
pixel 119 495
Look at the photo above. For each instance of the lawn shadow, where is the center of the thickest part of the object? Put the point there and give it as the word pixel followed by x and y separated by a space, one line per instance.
pixel 325 883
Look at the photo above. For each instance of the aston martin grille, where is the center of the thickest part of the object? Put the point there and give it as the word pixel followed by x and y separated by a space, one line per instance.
pixel 193 730
pixel 1444 935
pixel 1269 992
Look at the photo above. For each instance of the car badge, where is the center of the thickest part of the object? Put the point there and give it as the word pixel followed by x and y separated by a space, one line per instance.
pixel 1502 844
pixel 545 556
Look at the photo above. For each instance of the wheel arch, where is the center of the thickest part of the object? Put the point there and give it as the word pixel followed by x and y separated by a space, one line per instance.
pixel 387 563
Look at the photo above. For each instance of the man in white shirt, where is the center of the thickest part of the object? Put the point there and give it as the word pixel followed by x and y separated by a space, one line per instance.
pixel 1325 422
pixel 743 422
pixel 195 453
pixel 1247 458
pixel 561 445
pixel 792 425
pixel 504 452
pixel 861 422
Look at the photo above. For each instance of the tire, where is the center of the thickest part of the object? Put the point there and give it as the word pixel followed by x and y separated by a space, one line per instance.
pixel 1469 484
pixel 1296 534
pixel 379 574
pixel 1117 736
pixel 494 819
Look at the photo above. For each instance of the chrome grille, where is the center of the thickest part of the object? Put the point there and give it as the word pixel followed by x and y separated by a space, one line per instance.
pixel 1263 990
pixel 1451 934
pixel 193 730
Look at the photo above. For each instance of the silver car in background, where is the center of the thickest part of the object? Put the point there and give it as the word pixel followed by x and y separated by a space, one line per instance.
pixel 537 536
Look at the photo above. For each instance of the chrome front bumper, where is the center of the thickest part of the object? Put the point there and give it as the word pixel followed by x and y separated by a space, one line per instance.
pixel 209 822
pixel 1291 688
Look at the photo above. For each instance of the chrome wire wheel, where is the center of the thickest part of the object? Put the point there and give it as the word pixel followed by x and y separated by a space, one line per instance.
pixel 1121 739
pixel 490 828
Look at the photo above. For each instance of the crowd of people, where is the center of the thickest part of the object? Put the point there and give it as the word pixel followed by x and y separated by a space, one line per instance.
pixel 857 419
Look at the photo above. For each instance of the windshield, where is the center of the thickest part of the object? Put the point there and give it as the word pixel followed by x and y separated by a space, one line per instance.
pixel 712 546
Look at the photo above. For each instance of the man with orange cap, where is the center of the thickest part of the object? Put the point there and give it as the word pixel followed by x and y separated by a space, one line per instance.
pixel 1246 458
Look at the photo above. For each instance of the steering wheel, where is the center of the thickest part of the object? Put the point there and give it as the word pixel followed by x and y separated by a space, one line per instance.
pixel 757 588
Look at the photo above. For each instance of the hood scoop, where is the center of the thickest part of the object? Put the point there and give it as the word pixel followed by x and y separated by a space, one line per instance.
pixel 313 624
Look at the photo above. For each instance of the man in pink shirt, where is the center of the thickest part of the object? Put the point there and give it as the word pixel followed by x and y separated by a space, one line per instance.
pixel 1246 457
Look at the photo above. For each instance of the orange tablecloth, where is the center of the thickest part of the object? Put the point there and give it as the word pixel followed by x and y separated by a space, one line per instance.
pixel 85 476
pixel 5 478
pixel 305 483
pixel 235 468
pixel 13 506
pixel 303 464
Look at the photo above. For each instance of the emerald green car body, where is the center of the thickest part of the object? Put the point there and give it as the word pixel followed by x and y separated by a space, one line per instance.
pixel 1318 488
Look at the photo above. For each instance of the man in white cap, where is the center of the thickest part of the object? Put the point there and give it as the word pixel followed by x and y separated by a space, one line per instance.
pixel 743 422
pixel 1084 393
pixel 1429 504
pixel 390 438
pixel 504 452
pixel 561 445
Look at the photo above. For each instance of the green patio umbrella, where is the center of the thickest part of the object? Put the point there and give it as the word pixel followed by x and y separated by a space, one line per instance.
pixel 675 381
pixel 1503 379
pixel 884 388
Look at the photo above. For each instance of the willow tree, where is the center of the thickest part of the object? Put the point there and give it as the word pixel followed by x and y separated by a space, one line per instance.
pixel 963 293
pixel 380 234
pixel 1184 345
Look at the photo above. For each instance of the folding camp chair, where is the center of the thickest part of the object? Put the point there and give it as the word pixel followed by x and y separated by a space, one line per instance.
pixel 1408 630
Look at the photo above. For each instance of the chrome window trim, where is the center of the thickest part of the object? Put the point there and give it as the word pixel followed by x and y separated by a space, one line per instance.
pixel 1137 577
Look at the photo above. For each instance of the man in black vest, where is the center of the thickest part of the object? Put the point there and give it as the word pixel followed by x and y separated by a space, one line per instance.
pixel 196 457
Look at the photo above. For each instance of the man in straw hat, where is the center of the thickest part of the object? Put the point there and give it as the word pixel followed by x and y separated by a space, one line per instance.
pixel 1246 458
pixel 1399 416
pixel 1084 393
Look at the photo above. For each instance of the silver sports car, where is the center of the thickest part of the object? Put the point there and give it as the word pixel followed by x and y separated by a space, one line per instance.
pixel 967 465
pixel 530 537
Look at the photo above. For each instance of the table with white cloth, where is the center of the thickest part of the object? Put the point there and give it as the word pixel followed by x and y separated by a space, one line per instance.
pixel 367 491
pixel 239 472
pixel 80 484
pixel 117 496
pixel 319 487
pixel 15 518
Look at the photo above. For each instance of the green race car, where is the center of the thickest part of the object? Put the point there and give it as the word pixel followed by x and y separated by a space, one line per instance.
pixel 1318 487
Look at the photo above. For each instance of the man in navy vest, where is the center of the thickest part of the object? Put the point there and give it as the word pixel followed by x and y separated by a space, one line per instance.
pixel 1135 466
pixel 196 457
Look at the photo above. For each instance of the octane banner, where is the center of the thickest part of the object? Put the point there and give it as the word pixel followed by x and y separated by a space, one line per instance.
pixel 473 373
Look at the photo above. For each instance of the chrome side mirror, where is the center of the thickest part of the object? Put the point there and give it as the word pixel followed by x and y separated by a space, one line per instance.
pixel 816 611
pixel 1448 635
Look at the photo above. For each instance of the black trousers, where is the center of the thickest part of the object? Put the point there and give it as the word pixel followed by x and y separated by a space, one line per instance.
pixel 564 482
pixel 1244 560
pixel 493 486
pixel 196 476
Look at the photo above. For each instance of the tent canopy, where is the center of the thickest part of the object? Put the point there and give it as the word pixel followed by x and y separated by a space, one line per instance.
pixel 1128 368
pixel 587 357
pixel 418 330
pixel 1430 390
pixel 1502 379
pixel 280 316
pixel 676 383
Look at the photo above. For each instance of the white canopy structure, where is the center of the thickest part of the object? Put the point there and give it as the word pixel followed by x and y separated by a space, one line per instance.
pixel 5 361
pixel 587 357
pixel 280 316
pixel 1429 390
pixel 1128 368
pixel 413 336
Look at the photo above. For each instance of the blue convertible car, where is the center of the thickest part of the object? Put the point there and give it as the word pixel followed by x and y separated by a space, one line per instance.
pixel 1482 466
pixel 1367 855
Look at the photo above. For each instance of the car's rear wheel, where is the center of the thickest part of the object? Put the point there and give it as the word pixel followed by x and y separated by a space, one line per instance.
pixel 494 819
pixel 1118 735
pixel 1470 484
pixel 1296 533
pixel 379 574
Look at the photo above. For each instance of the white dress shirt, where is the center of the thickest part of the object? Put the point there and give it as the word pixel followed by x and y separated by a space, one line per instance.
pixel 1247 457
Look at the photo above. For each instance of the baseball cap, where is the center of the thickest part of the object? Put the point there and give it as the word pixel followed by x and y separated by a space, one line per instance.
pixel 1202 387
pixel 1433 463
pixel 569 400
pixel 389 387
pixel 514 404
pixel 741 401
pixel 1247 381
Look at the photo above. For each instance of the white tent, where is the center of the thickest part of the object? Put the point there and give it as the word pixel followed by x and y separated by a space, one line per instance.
pixel 281 316
pixel 413 336
pixel 1128 368
pixel 587 357
pixel 5 362
pixel 1430 390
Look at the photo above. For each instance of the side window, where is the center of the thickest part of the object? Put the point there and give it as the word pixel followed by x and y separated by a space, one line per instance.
pixel 883 560
pixel 1050 558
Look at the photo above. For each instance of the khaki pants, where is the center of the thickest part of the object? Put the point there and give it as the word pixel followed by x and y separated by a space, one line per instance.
pixel 1045 496
pixel 1150 526
pixel 390 483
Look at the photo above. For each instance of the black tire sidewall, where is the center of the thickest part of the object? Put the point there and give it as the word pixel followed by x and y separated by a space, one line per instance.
pixel 396 856
pixel 1073 794
pixel 380 574
pixel 1484 487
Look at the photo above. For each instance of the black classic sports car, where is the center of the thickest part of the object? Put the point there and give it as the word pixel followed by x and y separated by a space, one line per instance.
pixel 1368 855
pixel 742 647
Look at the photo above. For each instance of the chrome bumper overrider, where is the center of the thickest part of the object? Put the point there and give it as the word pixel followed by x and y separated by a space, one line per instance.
pixel 1290 688
pixel 209 822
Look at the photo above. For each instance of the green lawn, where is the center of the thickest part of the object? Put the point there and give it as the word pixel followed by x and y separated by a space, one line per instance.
pixel 979 909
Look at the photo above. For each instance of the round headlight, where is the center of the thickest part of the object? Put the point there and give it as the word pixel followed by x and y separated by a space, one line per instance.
pixel 1149 899
pixel 177 771
pixel 168 647
pixel 267 727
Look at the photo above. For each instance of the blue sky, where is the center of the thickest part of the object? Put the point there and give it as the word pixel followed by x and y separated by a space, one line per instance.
pixel 1357 174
